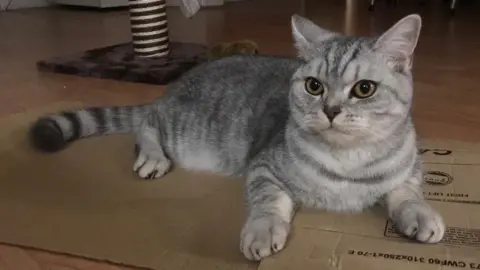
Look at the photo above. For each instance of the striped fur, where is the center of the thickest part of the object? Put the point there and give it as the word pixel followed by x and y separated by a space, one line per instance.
pixel 251 116
pixel 52 133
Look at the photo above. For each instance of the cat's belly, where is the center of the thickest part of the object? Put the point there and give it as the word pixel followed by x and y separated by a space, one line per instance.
pixel 203 157
pixel 200 159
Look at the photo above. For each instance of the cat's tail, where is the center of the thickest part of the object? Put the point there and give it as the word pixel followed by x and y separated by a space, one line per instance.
pixel 54 132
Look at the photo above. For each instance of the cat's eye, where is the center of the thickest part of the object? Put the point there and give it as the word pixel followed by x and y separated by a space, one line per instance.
pixel 314 87
pixel 364 89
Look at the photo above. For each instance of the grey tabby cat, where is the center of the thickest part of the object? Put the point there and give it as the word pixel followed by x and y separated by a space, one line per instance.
pixel 330 129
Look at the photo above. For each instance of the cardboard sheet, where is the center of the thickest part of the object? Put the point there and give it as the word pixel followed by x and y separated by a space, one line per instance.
pixel 368 241
pixel 86 201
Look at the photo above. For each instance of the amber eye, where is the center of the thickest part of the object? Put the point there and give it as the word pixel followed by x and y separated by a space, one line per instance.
pixel 314 87
pixel 364 89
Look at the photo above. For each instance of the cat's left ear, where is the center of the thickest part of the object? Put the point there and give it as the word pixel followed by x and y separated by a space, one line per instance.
pixel 308 36
pixel 398 43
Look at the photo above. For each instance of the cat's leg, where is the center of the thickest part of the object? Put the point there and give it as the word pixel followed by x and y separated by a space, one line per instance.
pixel 268 223
pixel 412 215
pixel 151 161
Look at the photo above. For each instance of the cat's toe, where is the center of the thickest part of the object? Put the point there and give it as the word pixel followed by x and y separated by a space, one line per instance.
pixel 262 237
pixel 431 228
pixel 420 222
pixel 150 168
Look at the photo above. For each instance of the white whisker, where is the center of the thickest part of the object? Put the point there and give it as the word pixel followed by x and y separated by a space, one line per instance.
pixel 381 138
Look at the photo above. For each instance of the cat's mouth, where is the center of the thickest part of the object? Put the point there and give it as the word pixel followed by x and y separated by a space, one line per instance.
pixel 338 130
pixel 330 128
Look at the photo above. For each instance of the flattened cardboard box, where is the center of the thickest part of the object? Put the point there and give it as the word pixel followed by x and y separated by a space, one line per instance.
pixel 86 201
pixel 369 241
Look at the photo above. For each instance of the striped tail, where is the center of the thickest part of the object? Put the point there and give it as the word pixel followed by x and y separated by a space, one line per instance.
pixel 54 132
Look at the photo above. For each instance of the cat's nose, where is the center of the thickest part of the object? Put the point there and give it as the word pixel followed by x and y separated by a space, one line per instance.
pixel 332 111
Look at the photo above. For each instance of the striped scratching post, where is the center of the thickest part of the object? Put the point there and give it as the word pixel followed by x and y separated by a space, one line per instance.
pixel 150 57
pixel 149 27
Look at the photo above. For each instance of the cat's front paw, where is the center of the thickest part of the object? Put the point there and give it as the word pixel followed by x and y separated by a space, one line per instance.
pixel 151 166
pixel 263 236
pixel 419 221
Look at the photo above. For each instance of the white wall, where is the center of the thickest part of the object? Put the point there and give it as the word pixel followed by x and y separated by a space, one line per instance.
pixel 16 4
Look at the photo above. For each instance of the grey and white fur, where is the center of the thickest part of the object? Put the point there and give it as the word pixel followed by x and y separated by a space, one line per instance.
pixel 330 129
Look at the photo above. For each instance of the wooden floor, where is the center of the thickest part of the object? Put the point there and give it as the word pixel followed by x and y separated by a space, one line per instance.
pixel 447 66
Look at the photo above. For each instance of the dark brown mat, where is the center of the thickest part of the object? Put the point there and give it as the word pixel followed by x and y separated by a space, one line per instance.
pixel 117 62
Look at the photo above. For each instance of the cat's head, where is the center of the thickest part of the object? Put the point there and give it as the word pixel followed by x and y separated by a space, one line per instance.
pixel 353 89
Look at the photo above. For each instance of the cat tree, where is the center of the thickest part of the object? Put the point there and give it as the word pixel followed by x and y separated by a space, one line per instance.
pixel 150 57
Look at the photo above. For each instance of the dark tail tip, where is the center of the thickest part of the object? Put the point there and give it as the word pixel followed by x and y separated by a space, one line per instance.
pixel 46 135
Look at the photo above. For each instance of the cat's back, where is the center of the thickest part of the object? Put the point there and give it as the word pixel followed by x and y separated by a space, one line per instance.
pixel 221 113
pixel 235 77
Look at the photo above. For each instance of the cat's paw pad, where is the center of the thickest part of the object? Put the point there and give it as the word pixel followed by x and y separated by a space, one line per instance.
pixel 150 168
pixel 419 221
pixel 262 237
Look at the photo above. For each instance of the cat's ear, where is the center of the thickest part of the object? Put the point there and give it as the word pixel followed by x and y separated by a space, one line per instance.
pixel 307 35
pixel 398 43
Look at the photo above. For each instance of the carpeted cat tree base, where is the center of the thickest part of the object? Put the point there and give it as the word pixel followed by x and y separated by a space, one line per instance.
pixel 118 62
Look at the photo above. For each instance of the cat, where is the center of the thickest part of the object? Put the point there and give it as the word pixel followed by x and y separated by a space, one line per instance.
pixel 329 129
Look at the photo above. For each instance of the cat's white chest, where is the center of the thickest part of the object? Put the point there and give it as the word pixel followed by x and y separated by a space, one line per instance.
pixel 333 195
pixel 343 163
pixel 345 196
pixel 319 190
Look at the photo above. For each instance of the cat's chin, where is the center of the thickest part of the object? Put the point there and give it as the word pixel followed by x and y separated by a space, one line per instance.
pixel 334 134
pixel 338 137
